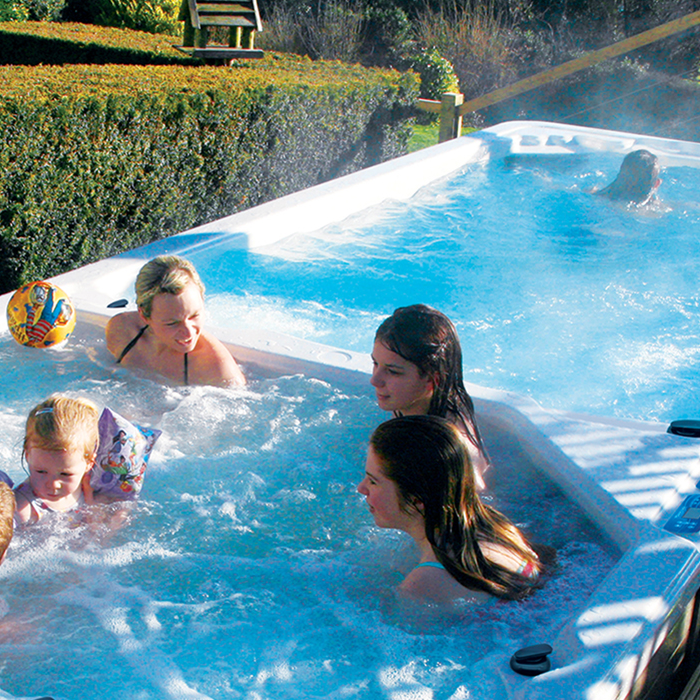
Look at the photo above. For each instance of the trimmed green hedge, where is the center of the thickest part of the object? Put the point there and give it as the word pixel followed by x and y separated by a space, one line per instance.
pixel 95 160
pixel 57 43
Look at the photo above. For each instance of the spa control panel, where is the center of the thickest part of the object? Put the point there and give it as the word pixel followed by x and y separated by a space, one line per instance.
pixel 687 518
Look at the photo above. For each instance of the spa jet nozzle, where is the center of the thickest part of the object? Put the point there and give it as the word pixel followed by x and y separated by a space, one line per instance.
pixel 531 661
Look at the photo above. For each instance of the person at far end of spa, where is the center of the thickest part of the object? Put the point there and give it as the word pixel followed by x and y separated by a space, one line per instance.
pixel 637 181
pixel 165 336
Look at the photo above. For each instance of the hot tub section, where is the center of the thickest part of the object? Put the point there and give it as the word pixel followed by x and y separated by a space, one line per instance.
pixel 637 633
pixel 629 478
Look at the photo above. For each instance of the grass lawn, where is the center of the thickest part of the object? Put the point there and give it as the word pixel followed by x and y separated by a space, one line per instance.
pixel 424 135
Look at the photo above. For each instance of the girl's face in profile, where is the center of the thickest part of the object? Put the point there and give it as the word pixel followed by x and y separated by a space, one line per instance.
pixel 383 499
pixel 176 319
pixel 56 476
pixel 398 383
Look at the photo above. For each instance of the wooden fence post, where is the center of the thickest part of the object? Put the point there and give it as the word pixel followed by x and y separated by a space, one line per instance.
pixel 450 117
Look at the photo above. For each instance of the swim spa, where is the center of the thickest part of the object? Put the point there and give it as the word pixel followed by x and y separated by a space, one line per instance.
pixel 556 294
pixel 205 595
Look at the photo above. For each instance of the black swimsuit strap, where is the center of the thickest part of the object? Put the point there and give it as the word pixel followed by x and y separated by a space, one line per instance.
pixel 135 340
pixel 131 344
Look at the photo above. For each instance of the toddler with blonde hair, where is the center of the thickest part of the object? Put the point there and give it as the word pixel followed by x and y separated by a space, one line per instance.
pixel 60 445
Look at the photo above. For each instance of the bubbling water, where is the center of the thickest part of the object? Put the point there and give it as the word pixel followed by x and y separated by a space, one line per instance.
pixel 583 305
pixel 250 567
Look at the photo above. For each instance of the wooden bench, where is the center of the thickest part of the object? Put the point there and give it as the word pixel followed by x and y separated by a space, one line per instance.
pixel 240 16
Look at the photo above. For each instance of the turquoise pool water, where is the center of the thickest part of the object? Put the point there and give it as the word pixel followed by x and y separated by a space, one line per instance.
pixel 556 293
pixel 250 568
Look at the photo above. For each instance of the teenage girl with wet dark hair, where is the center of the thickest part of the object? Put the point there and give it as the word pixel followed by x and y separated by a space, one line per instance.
pixel 419 479
pixel 418 371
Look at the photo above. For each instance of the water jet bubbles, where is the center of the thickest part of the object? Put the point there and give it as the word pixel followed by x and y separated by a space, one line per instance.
pixel 211 420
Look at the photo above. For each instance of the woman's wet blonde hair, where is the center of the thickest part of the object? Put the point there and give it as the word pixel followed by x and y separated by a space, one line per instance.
pixel 61 423
pixel 166 274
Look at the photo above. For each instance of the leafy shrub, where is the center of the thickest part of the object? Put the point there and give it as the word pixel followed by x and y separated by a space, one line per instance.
pixel 22 10
pixel 95 160
pixel 388 36
pixel 56 43
pixel 154 16
pixel 532 52
pixel 475 39
pixel 13 11
pixel 45 10
pixel 437 75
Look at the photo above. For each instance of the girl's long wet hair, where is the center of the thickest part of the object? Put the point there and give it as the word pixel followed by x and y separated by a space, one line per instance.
pixel 427 459
pixel 427 338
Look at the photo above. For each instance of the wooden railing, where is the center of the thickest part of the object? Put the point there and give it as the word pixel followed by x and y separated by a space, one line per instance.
pixel 452 106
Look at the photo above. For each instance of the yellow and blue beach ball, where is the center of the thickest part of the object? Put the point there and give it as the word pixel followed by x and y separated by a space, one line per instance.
pixel 40 315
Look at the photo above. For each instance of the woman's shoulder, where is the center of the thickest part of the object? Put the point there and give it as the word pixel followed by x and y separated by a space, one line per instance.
pixel 479 460
pixel 121 329
pixel 466 429
pixel 436 585
pixel 217 365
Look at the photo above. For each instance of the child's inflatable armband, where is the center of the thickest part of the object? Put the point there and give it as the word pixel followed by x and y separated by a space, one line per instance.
pixel 122 456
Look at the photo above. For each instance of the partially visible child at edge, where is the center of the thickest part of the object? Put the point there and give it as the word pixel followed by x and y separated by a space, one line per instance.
pixel 417 362
pixel 60 446
pixel 419 480
pixel 7 516
pixel 637 181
